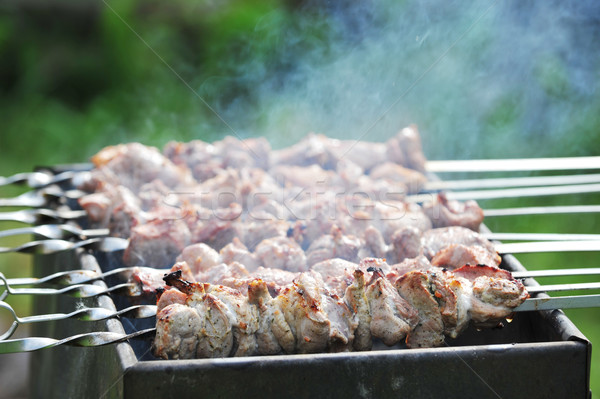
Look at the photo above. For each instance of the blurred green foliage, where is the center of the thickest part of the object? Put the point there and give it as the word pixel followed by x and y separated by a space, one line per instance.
pixel 77 76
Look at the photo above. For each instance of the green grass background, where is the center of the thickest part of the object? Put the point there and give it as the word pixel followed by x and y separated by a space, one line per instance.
pixel 506 80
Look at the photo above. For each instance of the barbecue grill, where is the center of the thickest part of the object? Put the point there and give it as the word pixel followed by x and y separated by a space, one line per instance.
pixel 539 354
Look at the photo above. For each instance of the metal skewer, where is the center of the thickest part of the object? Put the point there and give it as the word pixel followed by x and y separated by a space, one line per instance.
pixel 509 165
pixel 560 302
pixel 557 272
pixel 511 182
pixel 40 216
pixel 548 246
pixel 542 210
pixel 84 314
pixel 45 247
pixel 124 273
pixel 78 276
pixel 40 198
pixel 510 193
pixel 540 237
pixel 563 287
pixel 37 179
pixel 77 290
pixel 56 231
pixel 87 340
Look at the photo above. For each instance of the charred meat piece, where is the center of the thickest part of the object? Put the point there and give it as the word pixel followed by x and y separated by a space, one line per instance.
pixel 393 173
pixel 317 320
pixel 392 317
pixel 312 150
pixel 406 244
pixel 274 334
pixel 337 274
pixel 429 331
pixel 457 255
pixel 157 243
pixel 405 149
pixel 281 253
pixel 494 293
pixel 358 302
pixel 177 329
pixel 133 165
pixel 236 251
pixel 444 213
pixel 199 257
pixel 435 240
pixel 334 245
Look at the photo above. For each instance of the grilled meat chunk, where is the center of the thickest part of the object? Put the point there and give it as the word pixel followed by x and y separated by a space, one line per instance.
pixel 392 317
pixel 429 331
pixel 444 213
pixel 177 329
pixel 358 302
pixel 435 240
pixel 305 317
pixel 281 253
pixel 199 257
pixel 494 293
pixel 157 243
pixel 457 255
pixel 274 334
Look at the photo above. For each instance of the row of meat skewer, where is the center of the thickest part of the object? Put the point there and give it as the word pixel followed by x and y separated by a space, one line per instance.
pixel 311 248
pixel 342 309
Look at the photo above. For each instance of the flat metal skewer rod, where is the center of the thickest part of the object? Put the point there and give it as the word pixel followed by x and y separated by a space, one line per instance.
pixel 509 165
pixel 589 271
pixel 84 314
pixel 35 216
pixel 548 246
pixel 542 210
pixel 45 247
pixel 563 287
pixel 512 182
pixel 37 179
pixel 89 339
pixel 560 302
pixel 56 231
pixel 511 193
pixel 540 237
pixel 40 198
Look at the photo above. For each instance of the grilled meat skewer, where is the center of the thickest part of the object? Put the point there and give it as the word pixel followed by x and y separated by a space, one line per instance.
pixel 420 307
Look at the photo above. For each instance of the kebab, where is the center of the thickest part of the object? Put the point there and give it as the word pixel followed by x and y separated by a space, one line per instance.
pixel 318 314
pixel 236 214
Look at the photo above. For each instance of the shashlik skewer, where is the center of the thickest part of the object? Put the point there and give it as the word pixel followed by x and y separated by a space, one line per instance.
pixel 40 179
pixel 308 316
pixel 132 288
pixel 124 274
pixel 111 244
pixel 530 304
pixel 107 338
